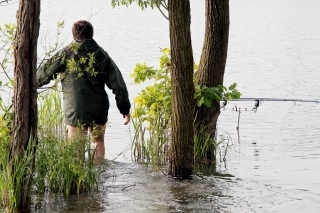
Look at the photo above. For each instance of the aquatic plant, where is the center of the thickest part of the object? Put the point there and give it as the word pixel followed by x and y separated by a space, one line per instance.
pixel 59 167
pixel 152 113
pixel 7 198
pixel 11 177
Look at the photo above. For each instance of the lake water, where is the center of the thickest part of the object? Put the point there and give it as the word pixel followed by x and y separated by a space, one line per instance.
pixel 274 161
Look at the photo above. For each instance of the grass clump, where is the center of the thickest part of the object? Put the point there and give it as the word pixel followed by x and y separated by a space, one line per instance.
pixel 59 167
pixel 7 198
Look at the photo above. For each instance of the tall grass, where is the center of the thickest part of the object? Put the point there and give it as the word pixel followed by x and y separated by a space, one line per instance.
pixel 12 175
pixel 151 145
pixel 206 145
pixel 58 167
pixel 7 198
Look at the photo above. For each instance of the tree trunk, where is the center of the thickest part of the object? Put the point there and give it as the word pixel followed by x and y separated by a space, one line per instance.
pixel 181 148
pixel 24 120
pixel 212 63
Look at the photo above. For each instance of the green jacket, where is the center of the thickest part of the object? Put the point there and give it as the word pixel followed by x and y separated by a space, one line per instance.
pixel 85 68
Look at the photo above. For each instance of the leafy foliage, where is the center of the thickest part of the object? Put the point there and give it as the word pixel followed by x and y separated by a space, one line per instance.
pixel 206 95
pixel 143 4
pixel 85 63
pixel 7 33
pixel 4 128
pixel 152 111
pixel 154 102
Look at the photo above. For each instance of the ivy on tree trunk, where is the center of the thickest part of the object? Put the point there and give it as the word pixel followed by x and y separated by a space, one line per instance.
pixel 212 65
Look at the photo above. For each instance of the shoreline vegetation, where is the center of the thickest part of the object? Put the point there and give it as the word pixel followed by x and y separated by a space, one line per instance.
pixel 59 170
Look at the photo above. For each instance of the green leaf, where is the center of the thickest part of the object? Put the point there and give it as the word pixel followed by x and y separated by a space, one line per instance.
pixel 200 102
pixel 207 103
pixel 213 90
pixel 232 86
pixel 217 97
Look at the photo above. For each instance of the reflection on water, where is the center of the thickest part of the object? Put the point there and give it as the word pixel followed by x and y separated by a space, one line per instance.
pixel 83 203
pixel 128 187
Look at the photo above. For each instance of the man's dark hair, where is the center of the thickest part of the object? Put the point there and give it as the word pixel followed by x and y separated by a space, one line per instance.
pixel 82 30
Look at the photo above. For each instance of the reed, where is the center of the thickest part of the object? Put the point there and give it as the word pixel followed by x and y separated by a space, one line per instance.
pixel 150 145
pixel 12 174
pixel 59 166
pixel 7 198
pixel 206 145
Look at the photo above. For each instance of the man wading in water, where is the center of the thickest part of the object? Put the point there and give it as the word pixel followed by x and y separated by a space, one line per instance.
pixel 85 68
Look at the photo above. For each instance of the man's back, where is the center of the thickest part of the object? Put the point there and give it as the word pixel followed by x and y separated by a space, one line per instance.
pixel 85 69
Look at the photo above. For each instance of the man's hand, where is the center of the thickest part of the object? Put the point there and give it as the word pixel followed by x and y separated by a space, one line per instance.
pixel 126 118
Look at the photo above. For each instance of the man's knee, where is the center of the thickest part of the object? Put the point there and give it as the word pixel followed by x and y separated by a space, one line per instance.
pixel 97 133
pixel 74 131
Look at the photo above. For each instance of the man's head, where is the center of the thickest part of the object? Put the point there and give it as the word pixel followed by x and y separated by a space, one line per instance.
pixel 82 30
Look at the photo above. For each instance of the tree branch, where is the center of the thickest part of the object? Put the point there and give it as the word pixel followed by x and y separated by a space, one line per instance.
pixel 5 72
pixel 164 4
pixel 162 12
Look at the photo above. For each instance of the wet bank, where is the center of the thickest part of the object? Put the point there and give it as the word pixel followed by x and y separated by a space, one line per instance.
pixel 131 187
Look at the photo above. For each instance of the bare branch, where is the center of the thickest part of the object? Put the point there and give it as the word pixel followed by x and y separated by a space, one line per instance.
pixel 128 186
pixel 7 1
pixel 93 14
pixel 162 13
pixel 5 72
pixel 164 4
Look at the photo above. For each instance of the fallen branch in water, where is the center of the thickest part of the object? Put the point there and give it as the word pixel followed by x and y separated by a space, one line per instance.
pixel 128 186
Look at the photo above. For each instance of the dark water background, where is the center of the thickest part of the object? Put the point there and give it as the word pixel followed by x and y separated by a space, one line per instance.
pixel 273 164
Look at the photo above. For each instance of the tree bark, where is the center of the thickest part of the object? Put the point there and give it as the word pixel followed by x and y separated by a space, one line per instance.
pixel 212 63
pixel 24 120
pixel 181 148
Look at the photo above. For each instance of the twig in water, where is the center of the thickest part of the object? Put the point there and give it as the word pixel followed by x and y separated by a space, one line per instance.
pixel 164 173
pixel 128 186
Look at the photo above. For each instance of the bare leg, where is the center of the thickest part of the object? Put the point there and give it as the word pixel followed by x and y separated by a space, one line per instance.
pixel 74 131
pixel 76 134
pixel 97 137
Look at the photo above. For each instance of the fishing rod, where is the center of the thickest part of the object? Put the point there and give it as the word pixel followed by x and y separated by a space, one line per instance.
pixel 257 103
pixel 258 100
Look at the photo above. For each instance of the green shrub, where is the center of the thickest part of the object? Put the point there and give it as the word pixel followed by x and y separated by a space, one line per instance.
pixel 152 112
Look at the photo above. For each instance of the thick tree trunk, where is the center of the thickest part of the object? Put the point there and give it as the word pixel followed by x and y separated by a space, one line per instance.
pixel 181 148
pixel 24 120
pixel 212 62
